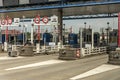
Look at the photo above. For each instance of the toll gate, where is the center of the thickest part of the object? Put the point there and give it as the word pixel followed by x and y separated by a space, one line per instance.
pixel 43 12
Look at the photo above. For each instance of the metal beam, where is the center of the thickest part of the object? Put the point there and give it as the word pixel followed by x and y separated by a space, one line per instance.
pixel 29 8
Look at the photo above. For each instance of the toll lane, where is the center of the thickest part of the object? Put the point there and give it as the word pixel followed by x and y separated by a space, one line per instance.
pixel 53 69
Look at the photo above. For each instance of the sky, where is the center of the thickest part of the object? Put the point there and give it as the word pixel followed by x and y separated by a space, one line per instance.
pixel 95 24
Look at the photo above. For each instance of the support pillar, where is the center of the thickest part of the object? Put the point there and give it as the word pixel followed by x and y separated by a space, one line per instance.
pixel 92 39
pixel 119 29
pixel 60 26
pixel 32 29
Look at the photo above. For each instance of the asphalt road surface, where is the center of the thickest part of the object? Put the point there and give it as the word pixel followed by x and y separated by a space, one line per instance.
pixel 48 67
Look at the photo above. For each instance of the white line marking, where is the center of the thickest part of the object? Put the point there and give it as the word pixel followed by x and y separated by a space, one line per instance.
pixel 8 58
pixel 49 62
pixel 100 69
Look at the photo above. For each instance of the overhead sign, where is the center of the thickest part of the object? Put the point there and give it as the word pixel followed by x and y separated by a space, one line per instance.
pixel 37 19
pixel 45 19
pixel 16 21
pixel 54 20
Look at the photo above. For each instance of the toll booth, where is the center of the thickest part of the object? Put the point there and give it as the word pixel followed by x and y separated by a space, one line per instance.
pixel 87 36
pixel 96 39
pixel 72 39
pixel 47 37
pixel 113 35
pixel 3 38
pixel 20 38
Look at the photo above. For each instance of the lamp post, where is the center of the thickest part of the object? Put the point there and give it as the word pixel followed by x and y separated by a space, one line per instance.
pixel 23 17
pixel 26 33
pixel 64 34
pixel 107 30
pixel 85 24
pixel 81 41
pixel 54 35
pixel 32 30
pixel 85 32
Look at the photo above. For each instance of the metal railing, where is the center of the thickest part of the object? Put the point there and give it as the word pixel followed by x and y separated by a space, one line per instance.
pixel 96 50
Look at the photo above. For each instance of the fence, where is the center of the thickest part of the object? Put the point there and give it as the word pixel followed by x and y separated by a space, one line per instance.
pixel 96 50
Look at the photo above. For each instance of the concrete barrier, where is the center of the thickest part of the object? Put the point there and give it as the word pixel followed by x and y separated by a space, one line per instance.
pixel 27 51
pixel 12 53
pixel 1 49
pixel 69 54
pixel 76 53
pixel 114 57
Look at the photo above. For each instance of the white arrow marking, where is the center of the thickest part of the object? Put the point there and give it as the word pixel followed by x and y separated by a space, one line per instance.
pixel 100 69
pixel 49 62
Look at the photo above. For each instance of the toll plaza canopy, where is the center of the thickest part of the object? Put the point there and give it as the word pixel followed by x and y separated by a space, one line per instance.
pixel 68 8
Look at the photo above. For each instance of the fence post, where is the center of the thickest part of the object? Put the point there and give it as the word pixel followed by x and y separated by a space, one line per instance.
pixel 82 52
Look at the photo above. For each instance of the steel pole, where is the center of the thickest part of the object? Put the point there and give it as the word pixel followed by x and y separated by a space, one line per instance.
pixel 81 38
pixel 92 39
pixel 119 29
pixel 32 28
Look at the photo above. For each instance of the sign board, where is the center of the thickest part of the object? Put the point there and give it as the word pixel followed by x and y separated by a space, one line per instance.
pixel 37 19
pixel 51 43
pixel 87 45
pixel 45 20
pixel 16 21
pixel 54 20
pixel 6 21
pixel 3 22
pixel 9 21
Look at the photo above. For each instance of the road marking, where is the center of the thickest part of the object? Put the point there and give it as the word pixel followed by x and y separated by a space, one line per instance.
pixel 49 62
pixel 100 69
pixel 8 58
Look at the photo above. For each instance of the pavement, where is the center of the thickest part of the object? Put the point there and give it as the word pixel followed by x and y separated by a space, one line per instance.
pixel 49 67
pixel 3 54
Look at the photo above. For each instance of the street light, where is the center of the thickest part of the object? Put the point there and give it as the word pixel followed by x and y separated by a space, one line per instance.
pixel 32 33
pixel 23 17
pixel 107 30
pixel 63 34
pixel 85 24
pixel 26 33
pixel 85 32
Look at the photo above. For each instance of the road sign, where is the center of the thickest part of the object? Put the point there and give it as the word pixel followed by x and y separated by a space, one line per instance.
pixel 9 21
pixel 54 20
pixel 37 19
pixel 3 21
pixel 45 19
pixel 16 21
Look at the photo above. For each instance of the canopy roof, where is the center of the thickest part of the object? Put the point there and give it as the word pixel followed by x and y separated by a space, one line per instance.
pixel 68 10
